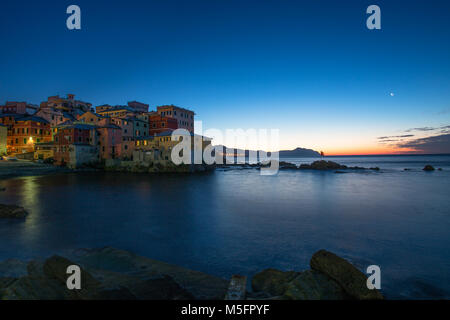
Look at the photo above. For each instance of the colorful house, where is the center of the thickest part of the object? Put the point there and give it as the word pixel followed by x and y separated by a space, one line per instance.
pixel 160 124
pixel 44 150
pixel 25 131
pixel 110 141
pixel 76 134
pixel 184 117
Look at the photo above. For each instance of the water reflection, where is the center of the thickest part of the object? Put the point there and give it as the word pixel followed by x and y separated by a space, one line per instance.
pixel 240 222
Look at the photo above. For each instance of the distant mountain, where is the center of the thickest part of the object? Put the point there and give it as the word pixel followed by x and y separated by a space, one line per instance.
pixel 299 152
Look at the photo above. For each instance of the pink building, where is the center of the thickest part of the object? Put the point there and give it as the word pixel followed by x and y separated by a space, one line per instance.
pixel 110 141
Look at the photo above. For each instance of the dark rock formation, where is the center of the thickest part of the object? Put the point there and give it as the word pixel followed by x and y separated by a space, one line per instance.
pixel 313 285
pixel 323 165
pixel 106 274
pixel 272 281
pixel 113 274
pixel 352 281
pixel 12 211
pixel 428 168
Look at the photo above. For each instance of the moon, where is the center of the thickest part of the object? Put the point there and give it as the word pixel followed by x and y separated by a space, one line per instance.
pixel 391 94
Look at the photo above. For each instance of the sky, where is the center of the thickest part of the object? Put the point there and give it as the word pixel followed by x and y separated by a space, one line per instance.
pixel 311 69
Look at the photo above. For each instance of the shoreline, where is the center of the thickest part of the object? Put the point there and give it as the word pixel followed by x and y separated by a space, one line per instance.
pixel 117 274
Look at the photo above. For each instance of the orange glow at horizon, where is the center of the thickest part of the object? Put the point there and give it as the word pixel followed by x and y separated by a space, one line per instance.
pixel 379 150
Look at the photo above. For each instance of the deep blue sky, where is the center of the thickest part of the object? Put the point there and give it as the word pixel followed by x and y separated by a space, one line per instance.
pixel 310 68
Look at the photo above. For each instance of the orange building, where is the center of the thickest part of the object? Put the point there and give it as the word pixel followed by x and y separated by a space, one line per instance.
pixel 25 131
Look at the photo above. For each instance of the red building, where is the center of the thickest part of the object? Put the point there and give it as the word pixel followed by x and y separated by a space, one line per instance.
pixel 160 124
pixel 70 135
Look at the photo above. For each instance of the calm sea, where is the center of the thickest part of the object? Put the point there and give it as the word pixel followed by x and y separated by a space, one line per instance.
pixel 239 222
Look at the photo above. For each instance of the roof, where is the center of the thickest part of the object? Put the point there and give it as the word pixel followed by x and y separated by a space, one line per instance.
pixel 117 108
pixel 80 126
pixel 172 106
pixel 68 115
pixel 95 114
pixel 14 115
pixel 164 134
pixel 112 126
pixel 33 118
pixel 133 118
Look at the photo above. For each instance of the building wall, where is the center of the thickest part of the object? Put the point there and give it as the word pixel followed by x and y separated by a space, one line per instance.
pixel 14 107
pixel 82 154
pixel 66 137
pixel 24 134
pixel 140 128
pixel 55 117
pixel 184 117
pixel 44 151
pixel 110 142
pixel 90 117
pixel 127 127
pixel 160 124
pixel 3 136
pixel 138 106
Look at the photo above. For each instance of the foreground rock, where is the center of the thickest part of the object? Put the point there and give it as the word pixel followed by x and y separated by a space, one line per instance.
pixel 351 280
pixel 273 282
pixel 330 278
pixel 113 274
pixel 428 168
pixel 106 274
pixel 12 211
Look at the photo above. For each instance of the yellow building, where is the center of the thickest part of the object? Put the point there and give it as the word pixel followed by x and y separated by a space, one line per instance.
pixel 43 151
pixel 3 136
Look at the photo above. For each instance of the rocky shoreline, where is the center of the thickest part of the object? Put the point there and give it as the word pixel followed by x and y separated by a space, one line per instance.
pixel 114 274
pixel 321 165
